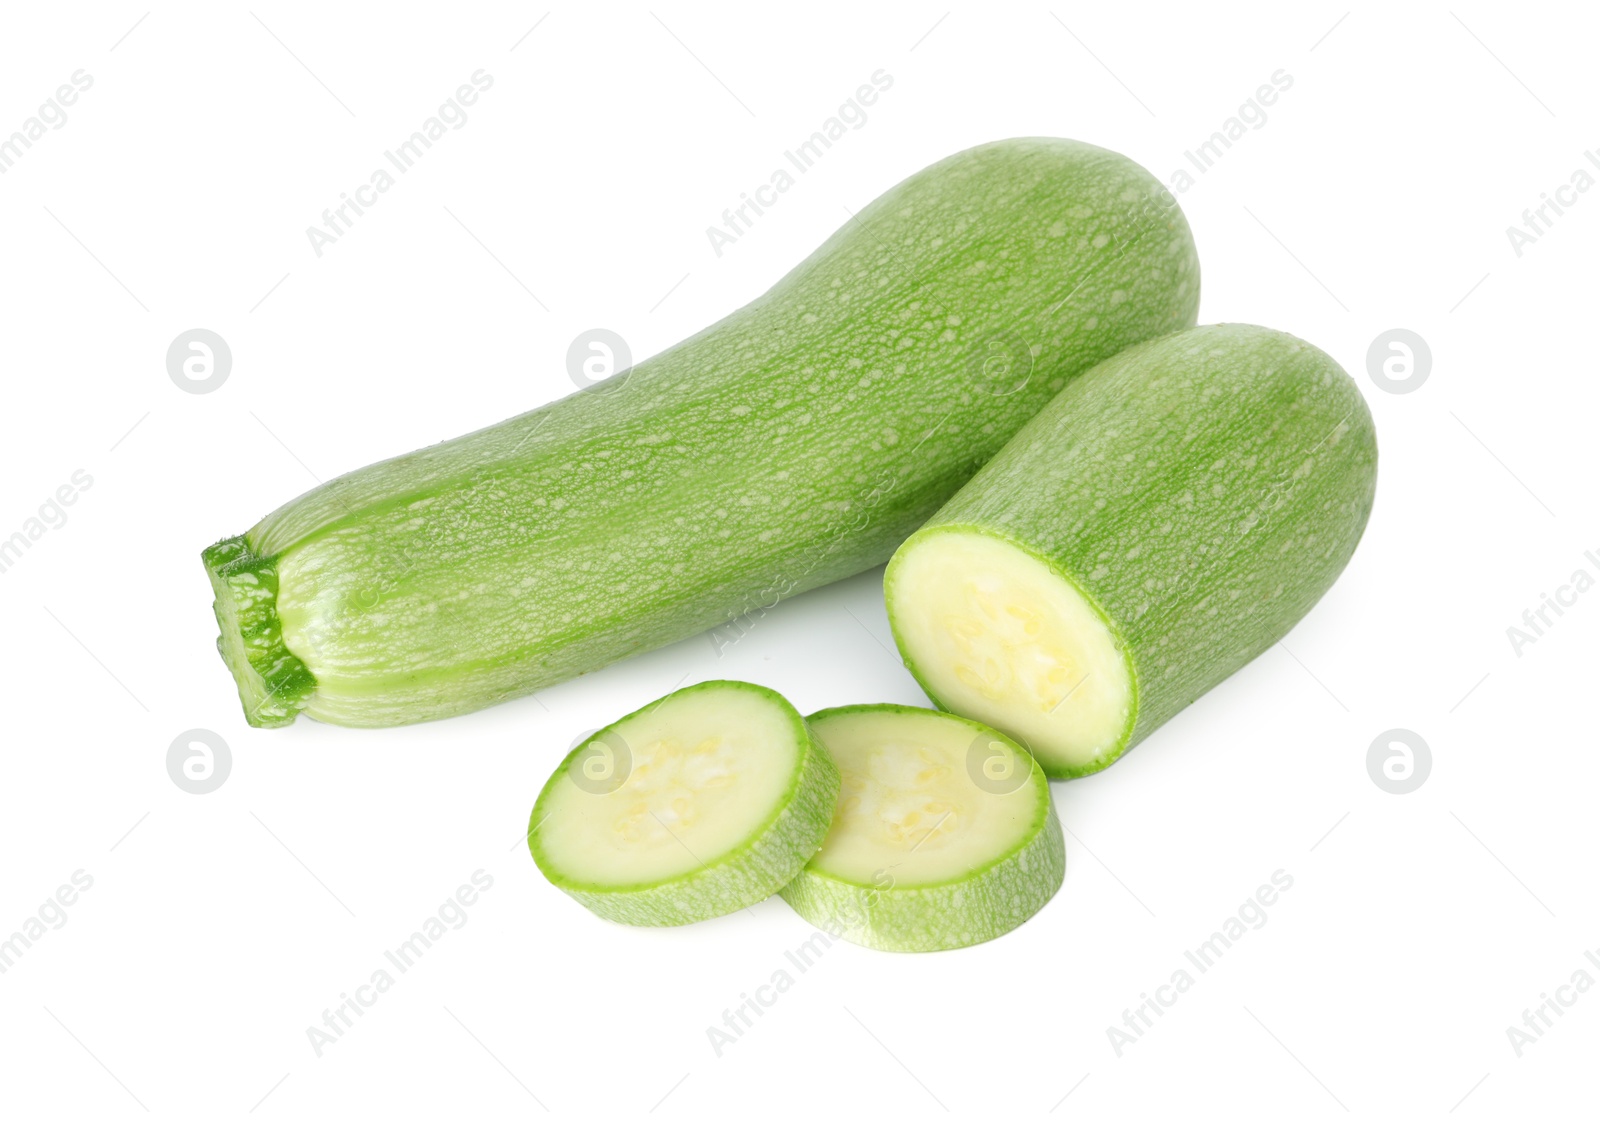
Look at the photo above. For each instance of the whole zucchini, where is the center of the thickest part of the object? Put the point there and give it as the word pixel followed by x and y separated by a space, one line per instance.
pixel 795 442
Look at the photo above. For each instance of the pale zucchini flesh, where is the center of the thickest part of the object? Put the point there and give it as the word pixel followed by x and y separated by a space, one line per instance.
pixel 1000 635
pixel 944 834
pixel 796 442
pixel 706 801
pixel 1171 515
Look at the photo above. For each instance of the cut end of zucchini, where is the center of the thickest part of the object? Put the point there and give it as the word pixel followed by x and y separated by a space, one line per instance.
pixel 944 834
pixel 274 684
pixel 702 803
pixel 993 632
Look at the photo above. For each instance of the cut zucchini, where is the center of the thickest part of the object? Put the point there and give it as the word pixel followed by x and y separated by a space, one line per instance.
pixel 706 801
pixel 944 835
pixel 1167 518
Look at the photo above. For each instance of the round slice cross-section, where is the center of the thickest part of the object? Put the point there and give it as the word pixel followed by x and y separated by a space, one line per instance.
pixel 706 801
pixel 944 834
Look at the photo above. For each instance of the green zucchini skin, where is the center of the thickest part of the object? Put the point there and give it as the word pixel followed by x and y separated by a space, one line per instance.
pixel 793 443
pixel 1202 491
pixel 932 919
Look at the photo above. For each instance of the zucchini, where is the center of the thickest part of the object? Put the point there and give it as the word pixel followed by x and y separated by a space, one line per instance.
pixel 793 443
pixel 944 835
pixel 705 802
pixel 1167 518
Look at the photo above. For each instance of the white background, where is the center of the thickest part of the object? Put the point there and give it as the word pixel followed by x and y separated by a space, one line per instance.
pixel 219 927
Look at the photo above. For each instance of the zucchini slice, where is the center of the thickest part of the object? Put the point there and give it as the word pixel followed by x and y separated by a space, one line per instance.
pixel 944 835
pixel 702 803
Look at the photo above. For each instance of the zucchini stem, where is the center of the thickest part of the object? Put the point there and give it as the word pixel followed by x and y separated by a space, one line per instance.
pixel 274 683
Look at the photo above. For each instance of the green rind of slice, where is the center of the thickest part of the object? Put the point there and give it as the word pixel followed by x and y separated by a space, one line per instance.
pixel 274 684
pixel 755 869
pixel 990 897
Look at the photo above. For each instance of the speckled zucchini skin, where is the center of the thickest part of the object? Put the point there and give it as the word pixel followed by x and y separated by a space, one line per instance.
pixel 793 443
pixel 1202 490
